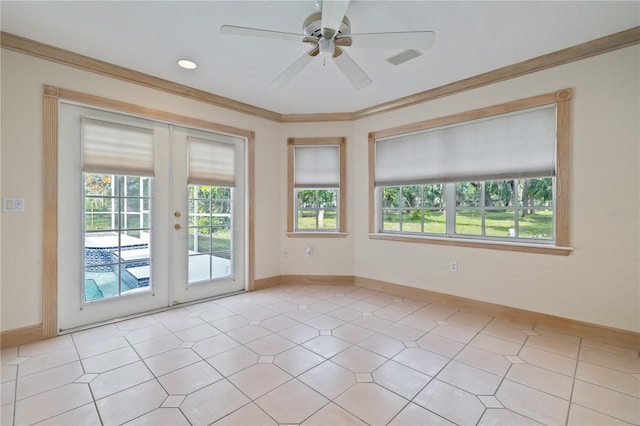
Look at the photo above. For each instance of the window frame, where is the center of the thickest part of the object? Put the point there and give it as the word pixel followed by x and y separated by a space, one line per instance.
pixel 341 230
pixel 562 100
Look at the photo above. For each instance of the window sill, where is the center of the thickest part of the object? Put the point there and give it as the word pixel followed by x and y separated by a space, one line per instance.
pixel 316 234
pixel 491 245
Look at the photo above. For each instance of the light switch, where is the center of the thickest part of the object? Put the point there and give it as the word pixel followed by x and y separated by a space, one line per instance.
pixel 13 205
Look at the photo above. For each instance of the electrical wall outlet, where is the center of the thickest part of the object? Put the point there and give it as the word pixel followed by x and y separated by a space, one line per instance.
pixel 453 266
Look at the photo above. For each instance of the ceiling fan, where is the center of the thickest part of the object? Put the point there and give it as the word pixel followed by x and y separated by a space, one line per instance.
pixel 328 31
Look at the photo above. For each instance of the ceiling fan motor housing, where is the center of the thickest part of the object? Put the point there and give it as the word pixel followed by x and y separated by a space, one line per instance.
pixel 312 26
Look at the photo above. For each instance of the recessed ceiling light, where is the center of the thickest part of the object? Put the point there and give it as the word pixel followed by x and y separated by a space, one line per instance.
pixel 187 64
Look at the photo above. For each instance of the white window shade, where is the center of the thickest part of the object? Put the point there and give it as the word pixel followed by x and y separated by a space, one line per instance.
pixel 116 148
pixel 317 166
pixel 514 145
pixel 211 162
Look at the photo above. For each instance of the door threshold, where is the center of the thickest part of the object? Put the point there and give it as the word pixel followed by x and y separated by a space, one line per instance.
pixel 145 313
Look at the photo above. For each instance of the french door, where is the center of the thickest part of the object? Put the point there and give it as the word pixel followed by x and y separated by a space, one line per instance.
pixel 151 215
pixel 207 218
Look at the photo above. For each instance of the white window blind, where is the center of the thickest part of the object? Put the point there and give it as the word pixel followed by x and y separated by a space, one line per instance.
pixel 116 148
pixel 513 145
pixel 211 162
pixel 317 166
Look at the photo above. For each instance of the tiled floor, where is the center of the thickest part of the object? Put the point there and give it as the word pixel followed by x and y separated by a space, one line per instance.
pixel 319 355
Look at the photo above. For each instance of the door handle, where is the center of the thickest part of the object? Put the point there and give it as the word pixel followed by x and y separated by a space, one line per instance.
pixel 177 227
pixel 176 213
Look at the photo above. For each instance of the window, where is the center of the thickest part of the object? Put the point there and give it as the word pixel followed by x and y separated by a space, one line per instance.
pixel 211 179
pixel 486 178
pixel 502 210
pixel 413 209
pixel 117 225
pixel 117 219
pixel 317 190
pixel 210 227
pixel 316 210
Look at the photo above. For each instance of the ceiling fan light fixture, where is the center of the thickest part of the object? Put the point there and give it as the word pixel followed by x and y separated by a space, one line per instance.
pixel 327 47
pixel 187 64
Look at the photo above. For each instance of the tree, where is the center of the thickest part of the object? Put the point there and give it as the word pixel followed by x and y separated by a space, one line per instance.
pixel 326 198
pixel 410 196
pixel 541 190
pixel 306 198
pixel 96 187
pixel 433 195
pixel 498 193
pixel 390 196
pixel 525 197
pixel 536 191
pixel 468 194
pixel 97 184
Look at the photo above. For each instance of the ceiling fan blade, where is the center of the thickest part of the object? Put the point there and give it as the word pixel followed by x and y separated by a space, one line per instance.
pixel 293 69
pixel 332 14
pixel 256 32
pixel 351 70
pixel 399 40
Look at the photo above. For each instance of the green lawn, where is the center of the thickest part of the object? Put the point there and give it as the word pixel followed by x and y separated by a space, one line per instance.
pixel 469 222
pixel 219 241
pixel 307 220
pixel 97 221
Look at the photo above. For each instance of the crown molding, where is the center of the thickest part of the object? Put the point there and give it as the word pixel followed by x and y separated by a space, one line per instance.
pixel 578 52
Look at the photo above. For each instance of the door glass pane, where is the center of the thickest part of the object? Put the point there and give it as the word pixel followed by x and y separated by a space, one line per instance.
pixel 117 225
pixel 221 239
pixel 210 232
pixel 199 268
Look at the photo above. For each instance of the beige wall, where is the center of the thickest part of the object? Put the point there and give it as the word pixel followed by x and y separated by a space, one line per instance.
pixel 330 256
pixel 598 283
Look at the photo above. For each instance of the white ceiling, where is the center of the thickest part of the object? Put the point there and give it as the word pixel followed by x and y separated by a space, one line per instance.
pixel 471 38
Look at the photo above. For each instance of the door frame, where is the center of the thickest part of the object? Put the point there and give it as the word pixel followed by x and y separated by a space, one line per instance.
pixel 52 96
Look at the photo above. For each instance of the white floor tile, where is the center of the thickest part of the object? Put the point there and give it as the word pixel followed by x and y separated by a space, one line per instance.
pixel 319 355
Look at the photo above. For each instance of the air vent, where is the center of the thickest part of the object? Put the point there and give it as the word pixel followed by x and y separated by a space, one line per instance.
pixel 403 57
